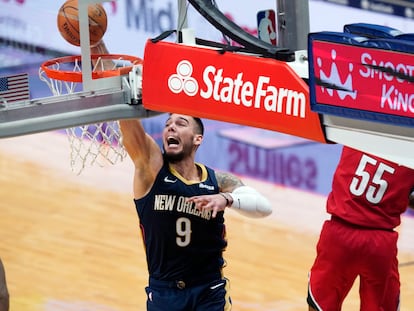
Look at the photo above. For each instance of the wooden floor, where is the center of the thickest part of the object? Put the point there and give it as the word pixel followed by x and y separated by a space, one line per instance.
pixel 71 242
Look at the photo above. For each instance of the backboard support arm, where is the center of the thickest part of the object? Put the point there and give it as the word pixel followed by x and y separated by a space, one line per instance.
pixel 64 111
pixel 293 20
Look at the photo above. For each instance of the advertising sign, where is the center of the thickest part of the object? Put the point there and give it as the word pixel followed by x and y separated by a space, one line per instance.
pixel 363 79
pixel 404 8
pixel 230 87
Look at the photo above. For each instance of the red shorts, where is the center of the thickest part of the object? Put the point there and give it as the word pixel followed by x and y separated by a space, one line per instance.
pixel 345 252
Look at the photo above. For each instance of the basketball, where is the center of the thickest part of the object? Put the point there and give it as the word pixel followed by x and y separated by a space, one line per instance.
pixel 68 22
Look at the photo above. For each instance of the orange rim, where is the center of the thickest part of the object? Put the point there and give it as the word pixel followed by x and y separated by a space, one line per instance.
pixel 76 76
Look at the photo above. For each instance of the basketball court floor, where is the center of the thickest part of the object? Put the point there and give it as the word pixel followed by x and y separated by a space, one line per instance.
pixel 72 242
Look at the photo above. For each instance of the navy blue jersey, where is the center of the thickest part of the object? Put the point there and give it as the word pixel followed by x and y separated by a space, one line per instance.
pixel 180 241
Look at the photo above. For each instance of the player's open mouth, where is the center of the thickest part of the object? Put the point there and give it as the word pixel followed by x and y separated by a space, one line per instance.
pixel 172 141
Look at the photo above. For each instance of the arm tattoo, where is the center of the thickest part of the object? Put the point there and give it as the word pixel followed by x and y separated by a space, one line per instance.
pixel 228 182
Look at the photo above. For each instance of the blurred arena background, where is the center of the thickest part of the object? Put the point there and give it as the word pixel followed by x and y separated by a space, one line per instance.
pixel 72 242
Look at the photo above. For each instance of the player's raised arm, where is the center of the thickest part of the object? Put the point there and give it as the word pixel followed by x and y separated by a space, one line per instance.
pixel 141 147
pixel 144 153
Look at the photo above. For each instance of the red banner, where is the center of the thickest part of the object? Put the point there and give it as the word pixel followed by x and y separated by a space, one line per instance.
pixel 364 78
pixel 231 87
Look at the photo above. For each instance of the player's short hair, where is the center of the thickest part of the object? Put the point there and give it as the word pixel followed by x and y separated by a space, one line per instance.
pixel 200 125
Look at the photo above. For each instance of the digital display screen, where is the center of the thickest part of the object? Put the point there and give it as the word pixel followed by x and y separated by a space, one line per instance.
pixel 401 8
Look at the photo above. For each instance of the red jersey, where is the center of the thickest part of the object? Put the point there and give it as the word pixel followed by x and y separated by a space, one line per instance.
pixel 369 191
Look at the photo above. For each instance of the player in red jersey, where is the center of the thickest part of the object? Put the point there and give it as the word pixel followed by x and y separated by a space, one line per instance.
pixel 368 196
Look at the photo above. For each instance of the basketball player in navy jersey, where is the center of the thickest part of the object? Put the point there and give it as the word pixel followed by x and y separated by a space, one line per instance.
pixel 4 293
pixel 368 196
pixel 180 204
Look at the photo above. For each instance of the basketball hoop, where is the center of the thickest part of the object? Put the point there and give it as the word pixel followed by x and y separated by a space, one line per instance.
pixel 90 144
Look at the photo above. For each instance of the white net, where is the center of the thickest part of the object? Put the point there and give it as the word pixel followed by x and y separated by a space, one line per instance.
pixel 90 144
pixel 98 143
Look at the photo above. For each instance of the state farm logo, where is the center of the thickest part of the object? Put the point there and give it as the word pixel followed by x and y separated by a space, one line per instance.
pixel 182 80
pixel 240 88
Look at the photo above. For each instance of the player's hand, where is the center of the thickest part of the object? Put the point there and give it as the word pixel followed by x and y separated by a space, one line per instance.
pixel 212 202
pixel 99 48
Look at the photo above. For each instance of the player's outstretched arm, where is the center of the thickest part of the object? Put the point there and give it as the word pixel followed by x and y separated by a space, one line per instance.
pixel 242 198
pixel 234 194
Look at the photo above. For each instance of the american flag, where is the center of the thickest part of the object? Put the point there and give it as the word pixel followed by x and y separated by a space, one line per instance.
pixel 14 88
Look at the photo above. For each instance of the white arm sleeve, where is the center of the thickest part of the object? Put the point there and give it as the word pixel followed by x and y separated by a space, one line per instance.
pixel 250 202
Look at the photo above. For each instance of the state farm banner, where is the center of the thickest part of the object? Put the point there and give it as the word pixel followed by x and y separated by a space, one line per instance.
pixel 362 81
pixel 225 86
